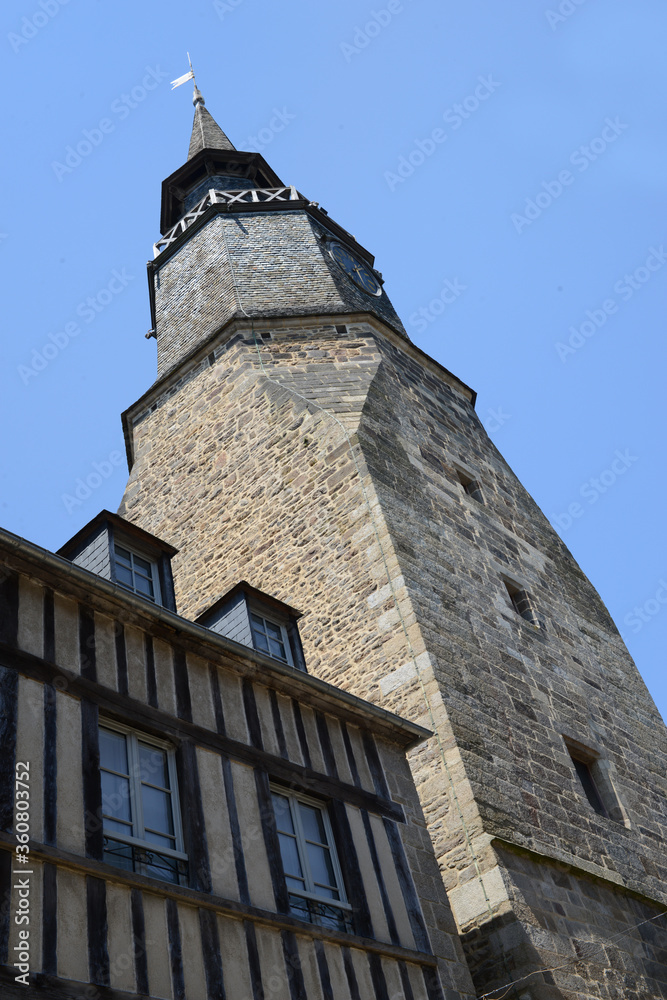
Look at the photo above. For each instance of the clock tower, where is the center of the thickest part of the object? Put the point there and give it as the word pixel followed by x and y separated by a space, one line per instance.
pixel 239 244
pixel 298 440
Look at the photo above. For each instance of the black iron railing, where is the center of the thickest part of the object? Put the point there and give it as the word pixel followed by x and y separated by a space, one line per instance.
pixel 146 861
pixel 315 911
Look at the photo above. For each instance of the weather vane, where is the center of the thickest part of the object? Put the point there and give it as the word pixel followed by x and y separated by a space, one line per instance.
pixel 185 77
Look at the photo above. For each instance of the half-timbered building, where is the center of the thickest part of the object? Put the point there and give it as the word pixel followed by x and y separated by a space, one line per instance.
pixel 200 818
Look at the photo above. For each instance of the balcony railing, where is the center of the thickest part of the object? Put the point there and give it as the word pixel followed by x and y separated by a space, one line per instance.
pixel 146 861
pixel 212 197
pixel 316 911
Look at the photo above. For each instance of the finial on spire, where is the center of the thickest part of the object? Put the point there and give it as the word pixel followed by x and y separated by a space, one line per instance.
pixel 206 133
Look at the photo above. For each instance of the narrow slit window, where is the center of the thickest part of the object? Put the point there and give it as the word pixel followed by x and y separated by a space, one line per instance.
pixel 594 781
pixel 521 602
pixel 470 486
pixel 587 780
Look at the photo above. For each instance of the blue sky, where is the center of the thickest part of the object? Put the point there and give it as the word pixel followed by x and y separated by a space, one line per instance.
pixel 504 162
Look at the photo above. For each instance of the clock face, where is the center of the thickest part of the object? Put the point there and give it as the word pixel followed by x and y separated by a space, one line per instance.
pixel 360 273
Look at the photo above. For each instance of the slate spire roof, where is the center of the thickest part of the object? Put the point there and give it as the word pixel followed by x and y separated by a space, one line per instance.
pixel 206 133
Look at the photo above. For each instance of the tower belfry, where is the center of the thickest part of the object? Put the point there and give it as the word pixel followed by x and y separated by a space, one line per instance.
pixel 297 439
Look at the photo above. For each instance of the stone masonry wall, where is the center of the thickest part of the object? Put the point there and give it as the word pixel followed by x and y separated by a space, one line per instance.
pixel 600 942
pixel 248 470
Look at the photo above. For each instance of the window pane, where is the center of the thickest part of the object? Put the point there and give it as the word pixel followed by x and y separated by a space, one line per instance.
pixel 295 883
pixel 277 649
pixel 261 642
pixel 116 797
pixel 142 565
pixel 290 855
pixel 113 751
pixel 157 809
pixel 123 554
pixel 283 814
pixel 321 868
pixel 143 586
pixel 153 765
pixel 124 575
pixel 325 890
pixel 156 838
pixel 313 824
pixel 273 630
pixel 117 827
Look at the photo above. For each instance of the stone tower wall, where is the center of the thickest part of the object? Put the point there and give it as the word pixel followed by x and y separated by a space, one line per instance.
pixel 248 468
pixel 270 263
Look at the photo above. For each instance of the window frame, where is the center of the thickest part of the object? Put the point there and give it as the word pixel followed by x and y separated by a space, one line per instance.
pixel 133 737
pixel 139 554
pixel 254 608
pixel 300 838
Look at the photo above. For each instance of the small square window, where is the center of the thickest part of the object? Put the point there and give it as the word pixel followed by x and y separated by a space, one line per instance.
pixel 310 863
pixel 521 602
pixel 140 811
pixel 470 486
pixel 137 573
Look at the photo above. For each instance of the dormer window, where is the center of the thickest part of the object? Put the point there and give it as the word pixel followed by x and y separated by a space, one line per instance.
pixel 138 574
pixel 259 621
pixel 126 555
pixel 269 637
